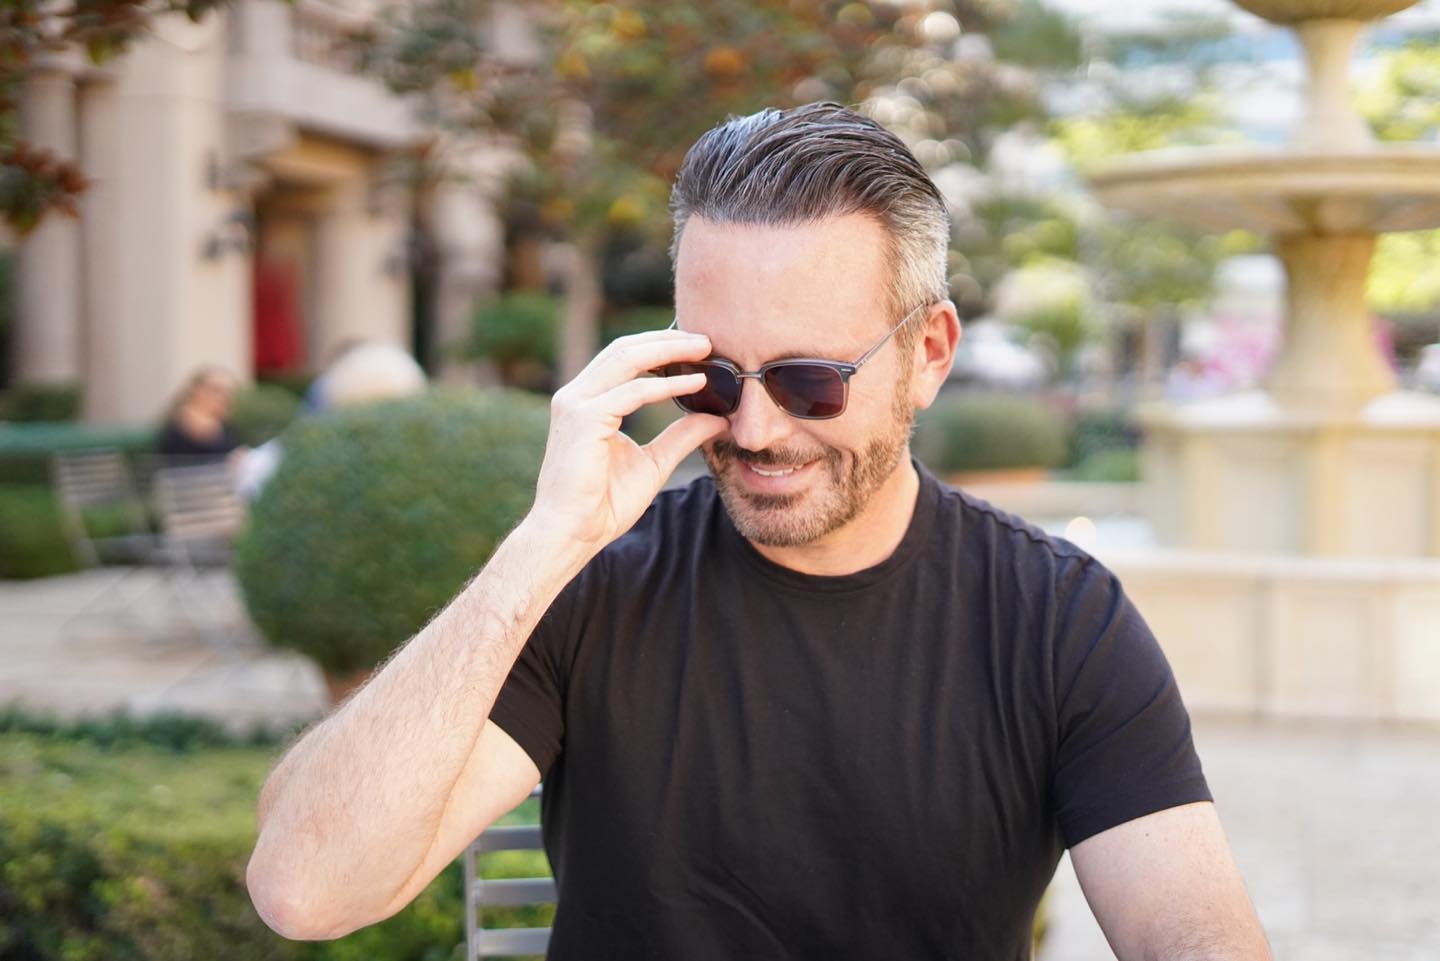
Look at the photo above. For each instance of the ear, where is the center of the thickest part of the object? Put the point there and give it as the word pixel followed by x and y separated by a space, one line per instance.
pixel 934 353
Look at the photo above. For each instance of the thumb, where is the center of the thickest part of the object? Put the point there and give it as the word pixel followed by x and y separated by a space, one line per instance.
pixel 677 441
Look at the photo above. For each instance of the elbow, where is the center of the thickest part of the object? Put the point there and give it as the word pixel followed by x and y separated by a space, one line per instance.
pixel 286 908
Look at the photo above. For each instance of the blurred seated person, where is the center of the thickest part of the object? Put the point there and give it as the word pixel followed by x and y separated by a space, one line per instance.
pixel 361 373
pixel 198 429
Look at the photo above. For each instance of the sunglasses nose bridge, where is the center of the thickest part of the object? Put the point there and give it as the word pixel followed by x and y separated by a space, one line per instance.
pixel 758 421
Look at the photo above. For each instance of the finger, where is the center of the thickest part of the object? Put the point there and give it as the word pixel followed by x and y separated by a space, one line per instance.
pixel 677 441
pixel 630 397
pixel 641 353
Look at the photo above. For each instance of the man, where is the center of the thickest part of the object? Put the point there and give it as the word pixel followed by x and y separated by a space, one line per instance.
pixel 818 706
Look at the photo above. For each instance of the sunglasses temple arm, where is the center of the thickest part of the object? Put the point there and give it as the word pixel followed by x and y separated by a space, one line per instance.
pixel 881 342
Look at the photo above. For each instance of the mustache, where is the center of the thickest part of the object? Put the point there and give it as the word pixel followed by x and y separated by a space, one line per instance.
pixel 723 450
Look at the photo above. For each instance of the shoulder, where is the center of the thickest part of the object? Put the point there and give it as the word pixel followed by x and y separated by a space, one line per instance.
pixel 1004 545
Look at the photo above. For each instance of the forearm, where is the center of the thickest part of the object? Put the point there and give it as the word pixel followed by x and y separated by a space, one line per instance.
pixel 351 811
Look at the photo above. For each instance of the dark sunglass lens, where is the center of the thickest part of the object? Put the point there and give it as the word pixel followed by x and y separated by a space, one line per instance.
pixel 721 392
pixel 806 390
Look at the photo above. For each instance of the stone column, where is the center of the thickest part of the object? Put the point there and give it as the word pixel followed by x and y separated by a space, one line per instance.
pixel 362 278
pixel 47 341
pixel 1330 120
pixel 1329 362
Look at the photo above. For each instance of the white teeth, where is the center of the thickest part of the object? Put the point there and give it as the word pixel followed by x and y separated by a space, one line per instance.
pixel 772 473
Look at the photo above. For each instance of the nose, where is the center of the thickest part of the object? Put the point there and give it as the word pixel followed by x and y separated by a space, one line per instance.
pixel 758 422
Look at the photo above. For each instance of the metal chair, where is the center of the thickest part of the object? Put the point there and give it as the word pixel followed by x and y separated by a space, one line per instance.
pixel 483 942
pixel 86 481
pixel 200 515
pixel 99 481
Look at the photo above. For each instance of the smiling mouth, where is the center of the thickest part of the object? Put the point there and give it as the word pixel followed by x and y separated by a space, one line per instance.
pixel 777 471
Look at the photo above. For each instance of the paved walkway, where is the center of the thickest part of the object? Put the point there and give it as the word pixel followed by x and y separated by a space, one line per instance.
pixel 1334 825
pixel 98 642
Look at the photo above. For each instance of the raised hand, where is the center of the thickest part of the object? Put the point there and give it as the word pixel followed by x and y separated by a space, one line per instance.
pixel 595 481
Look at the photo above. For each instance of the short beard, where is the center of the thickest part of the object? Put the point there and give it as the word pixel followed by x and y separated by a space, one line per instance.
pixel 780 520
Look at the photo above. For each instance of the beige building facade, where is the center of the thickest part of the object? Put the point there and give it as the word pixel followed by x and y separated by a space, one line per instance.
pixel 243 210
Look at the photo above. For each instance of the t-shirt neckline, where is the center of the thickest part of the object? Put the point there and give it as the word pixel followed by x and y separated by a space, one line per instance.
pixel 920 527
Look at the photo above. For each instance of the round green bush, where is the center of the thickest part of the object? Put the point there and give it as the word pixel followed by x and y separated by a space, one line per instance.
pixel 379 514
pixel 971 431
pixel 523 325
pixel 262 411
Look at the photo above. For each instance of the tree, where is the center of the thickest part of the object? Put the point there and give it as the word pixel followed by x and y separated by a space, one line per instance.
pixel 34 182
pixel 1402 104
pixel 622 89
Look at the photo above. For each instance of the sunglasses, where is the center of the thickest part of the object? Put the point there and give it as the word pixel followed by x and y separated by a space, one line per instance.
pixel 804 388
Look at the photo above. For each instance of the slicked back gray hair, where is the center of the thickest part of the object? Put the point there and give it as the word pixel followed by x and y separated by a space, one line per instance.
pixel 787 168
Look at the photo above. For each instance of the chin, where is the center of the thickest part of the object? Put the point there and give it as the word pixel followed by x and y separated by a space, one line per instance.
pixel 786 520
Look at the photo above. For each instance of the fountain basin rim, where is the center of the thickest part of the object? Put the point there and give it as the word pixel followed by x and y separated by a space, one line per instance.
pixel 1187 163
pixel 1293 12
pixel 1258 412
pixel 1199 563
pixel 1281 191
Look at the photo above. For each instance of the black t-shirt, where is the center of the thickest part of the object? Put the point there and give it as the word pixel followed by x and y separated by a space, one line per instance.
pixel 743 761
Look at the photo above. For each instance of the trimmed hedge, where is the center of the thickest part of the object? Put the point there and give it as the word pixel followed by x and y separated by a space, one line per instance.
pixel 42 402
pixel 124 838
pixel 140 854
pixel 379 514
pixel 975 431
pixel 177 733
pixel 32 540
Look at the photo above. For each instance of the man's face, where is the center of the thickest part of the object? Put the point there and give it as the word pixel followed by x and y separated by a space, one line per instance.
pixel 819 290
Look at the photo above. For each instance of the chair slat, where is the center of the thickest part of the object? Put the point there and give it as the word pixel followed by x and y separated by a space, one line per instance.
pixel 513 941
pixel 509 892
pixel 519 837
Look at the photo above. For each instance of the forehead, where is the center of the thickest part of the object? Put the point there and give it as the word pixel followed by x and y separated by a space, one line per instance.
pixel 788 288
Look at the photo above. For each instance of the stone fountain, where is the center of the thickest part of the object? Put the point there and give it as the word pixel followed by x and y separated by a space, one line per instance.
pixel 1301 521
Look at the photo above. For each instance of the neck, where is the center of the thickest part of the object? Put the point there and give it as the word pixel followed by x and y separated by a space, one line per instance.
pixel 869 538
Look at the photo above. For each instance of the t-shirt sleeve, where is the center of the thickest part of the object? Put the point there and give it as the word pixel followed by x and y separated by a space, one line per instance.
pixel 531 704
pixel 1124 746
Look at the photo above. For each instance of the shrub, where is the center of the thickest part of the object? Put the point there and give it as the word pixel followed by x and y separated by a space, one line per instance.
pixel 140 853
pixel 378 515
pixel 1098 430
pixel 263 411
pixel 46 403
pixel 1115 466
pixel 32 542
pixel 178 733
pixel 989 431
pixel 635 320
pixel 292 382
pixel 519 332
